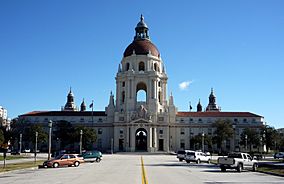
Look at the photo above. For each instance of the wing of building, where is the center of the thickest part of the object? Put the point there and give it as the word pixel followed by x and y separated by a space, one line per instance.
pixel 152 123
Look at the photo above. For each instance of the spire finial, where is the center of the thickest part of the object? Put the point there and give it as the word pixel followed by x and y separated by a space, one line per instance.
pixel 70 89
pixel 212 91
pixel 141 18
pixel 111 93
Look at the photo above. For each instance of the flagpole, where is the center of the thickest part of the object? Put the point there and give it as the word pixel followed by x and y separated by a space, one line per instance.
pixel 92 113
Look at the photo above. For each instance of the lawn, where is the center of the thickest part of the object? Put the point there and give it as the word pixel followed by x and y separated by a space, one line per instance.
pixel 17 166
pixel 12 157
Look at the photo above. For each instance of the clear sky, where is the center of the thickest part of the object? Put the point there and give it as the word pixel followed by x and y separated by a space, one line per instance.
pixel 236 47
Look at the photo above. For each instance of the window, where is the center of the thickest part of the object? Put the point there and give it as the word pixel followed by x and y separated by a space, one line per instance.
pixel 99 143
pixel 182 144
pixel 235 120
pixel 199 119
pixel 245 120
pixel 72 156
pixel 182 120
pixel 127 66
pixel 100 131
pixel 82 119
pixel 123 96
pixel 182 131
pixel 123 84
pixel 141 66
pixel 100 120
pixel 121 131
pixel 159 83
pixel 190 119
pixel 161 131
pixel 161 119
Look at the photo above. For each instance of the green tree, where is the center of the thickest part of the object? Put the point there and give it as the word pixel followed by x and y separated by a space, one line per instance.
pixel 64 132
pixel 196 142
pixel 31 131
pixel 271 138
pixel 250 137
pixel 89 137
pixel 223 131
pixel 2 140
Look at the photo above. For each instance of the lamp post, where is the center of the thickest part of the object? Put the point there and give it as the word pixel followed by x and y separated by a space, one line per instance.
pixel 49 138
pixel 234 146
pixel 202 142
pixel 246 139
pixel 36 135
pixel 81 135
pixel 20 150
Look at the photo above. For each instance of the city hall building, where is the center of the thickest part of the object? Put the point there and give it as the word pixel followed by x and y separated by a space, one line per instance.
pixel 154 124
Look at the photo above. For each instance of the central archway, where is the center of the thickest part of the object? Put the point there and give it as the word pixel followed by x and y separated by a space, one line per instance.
pixel 141 139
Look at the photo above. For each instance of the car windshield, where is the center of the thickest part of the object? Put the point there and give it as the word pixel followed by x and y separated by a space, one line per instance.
pixel 181 152
pixel 234 155
pixel 191 153
pixel 58 157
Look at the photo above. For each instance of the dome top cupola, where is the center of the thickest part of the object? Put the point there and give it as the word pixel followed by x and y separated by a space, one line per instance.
pixel 141 44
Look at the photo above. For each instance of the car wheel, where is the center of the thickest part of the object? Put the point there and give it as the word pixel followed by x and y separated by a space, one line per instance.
pixel 76 164
pixel 187 161
pixel 180 159
pixel 98 159
pixel 223 169
pixel 254 167
pixel 198 161
pixel 209 161
pixel 55 165
pixel 239 168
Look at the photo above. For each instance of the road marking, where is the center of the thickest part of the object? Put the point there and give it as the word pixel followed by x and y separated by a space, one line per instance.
pixel 144 178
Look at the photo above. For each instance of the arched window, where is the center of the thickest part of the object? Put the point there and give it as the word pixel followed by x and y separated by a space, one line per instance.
pixel 127 66
pixel 160 97
pixel 156 67
pixel 141 92
pixel 123 96
pixel 141 66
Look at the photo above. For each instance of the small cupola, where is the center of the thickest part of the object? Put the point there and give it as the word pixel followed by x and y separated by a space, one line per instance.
pixel 199 107
pixel 141 30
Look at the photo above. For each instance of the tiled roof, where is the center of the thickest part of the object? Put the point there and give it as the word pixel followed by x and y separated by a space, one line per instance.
pixel 65 113
pixel 141 47
pixel 217 114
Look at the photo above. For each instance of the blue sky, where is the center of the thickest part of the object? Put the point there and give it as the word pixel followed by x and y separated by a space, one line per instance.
pixel 236 47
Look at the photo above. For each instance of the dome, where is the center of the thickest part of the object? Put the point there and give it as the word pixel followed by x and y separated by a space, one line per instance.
pixel 141 47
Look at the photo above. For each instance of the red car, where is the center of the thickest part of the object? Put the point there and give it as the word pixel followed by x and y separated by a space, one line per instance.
pixel 64 160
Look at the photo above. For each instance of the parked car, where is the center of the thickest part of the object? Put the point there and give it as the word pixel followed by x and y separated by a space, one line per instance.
pixel 181 154
pixel 238 161
pixel 27 150
pixel 64 160
pixel 197 156
pixel 92 156
pixel 279 155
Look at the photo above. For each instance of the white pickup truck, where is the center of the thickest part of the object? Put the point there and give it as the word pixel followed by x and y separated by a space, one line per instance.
pixel 238 161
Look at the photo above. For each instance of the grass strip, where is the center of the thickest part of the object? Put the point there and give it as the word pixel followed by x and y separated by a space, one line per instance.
pixel 278 171
pixel 14 157
pixel 17 166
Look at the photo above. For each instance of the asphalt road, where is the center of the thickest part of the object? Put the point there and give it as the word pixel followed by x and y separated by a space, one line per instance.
pixel 127 169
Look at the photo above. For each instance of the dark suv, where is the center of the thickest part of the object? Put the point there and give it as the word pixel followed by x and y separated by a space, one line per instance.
pixel 92 156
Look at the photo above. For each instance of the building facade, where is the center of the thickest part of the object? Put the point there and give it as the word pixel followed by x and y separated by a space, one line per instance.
pixel 152 124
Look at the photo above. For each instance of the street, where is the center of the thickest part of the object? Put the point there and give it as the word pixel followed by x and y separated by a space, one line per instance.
pixel 127 169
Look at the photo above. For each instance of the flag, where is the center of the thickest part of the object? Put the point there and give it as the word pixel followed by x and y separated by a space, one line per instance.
pixel 91 105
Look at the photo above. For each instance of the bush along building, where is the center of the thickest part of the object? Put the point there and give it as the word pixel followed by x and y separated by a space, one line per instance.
pixel 153 124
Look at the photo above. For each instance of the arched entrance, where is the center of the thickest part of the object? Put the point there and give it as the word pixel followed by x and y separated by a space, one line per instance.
pixel 141 139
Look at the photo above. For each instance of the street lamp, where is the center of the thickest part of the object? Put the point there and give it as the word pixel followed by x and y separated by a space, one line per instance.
pixel 49 138
pixel 81 134
pixel 202 142
pixel 234 129
pixel 21 136
pixel 36 135
pixel 246 139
